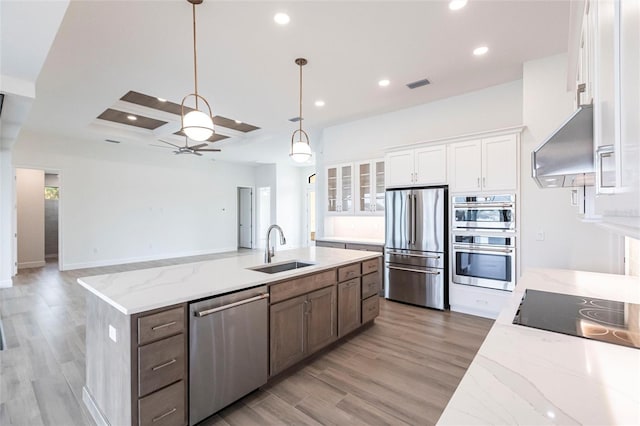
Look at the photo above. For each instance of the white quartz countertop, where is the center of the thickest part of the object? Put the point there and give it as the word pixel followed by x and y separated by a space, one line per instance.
pixel 353 240
pixel 145 289
pixel 523 375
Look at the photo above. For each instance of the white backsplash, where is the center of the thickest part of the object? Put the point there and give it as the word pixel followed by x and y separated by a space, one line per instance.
pixel 354 227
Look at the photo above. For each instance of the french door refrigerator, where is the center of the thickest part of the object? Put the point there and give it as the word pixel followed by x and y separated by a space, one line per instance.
pixel 416 262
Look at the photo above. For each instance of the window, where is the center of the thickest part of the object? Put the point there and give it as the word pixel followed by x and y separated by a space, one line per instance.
pixel 312 178
pixel 51 193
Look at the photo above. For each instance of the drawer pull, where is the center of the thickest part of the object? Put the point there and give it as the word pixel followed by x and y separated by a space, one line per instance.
pixel 158 327
pixel 162 416
pixel 166 364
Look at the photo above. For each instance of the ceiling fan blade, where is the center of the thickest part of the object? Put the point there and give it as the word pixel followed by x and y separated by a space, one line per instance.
pixel 200 145
pixel 210 150
pixel 169 143
pixel 161 146
pixel 196 153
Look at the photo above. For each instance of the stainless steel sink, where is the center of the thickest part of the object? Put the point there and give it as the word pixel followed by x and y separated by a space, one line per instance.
pixel 281 267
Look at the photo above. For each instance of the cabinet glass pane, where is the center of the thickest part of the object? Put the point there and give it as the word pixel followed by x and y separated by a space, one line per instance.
pixel 332 189
pixel 364 172
pixel 347 185
pixel 379 182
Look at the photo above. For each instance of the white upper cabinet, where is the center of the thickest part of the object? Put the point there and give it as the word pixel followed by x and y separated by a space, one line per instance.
pixel 489 164
pixel 417 167
pixel 370 187
pixel 617 112
pixel 466 167
pixel 340 189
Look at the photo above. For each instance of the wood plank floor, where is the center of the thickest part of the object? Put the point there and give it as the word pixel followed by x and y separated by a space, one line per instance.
pixel 402 370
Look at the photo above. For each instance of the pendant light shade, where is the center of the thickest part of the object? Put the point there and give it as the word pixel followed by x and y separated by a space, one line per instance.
pixel 300 149
pixel 196 124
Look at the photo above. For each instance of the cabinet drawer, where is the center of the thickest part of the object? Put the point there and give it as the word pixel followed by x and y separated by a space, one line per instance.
pixel 370 308
pixel 160 364
pixel 298 286
pixel 164 408
pixel 160 325
pixel 370 284
pixel 330 244
pixel 369 266
pixel 347 272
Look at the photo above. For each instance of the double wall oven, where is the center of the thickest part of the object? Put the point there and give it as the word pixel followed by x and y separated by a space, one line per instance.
pixel 483 241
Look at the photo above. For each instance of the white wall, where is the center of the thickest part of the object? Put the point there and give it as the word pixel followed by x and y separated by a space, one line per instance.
pixel 118 212
pixel 568 242
pixel 265 177
pixel 491 108
pixel 6 217
pixel 290 205
pixel 30 203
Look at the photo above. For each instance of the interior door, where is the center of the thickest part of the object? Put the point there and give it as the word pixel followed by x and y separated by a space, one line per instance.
pixel 245 216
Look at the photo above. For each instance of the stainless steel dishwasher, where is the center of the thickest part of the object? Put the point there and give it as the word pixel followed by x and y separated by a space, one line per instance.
pixel 228 350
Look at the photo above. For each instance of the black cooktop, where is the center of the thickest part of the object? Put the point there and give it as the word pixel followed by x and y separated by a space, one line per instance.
pixel 587 317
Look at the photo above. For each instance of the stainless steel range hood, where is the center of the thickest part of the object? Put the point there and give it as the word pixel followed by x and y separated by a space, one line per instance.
pixel 565 159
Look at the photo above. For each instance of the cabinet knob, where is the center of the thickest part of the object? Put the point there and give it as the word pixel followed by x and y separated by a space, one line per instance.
pixel 478 182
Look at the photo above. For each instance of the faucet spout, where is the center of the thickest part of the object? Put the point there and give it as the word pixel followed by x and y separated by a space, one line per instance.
pixel 270 252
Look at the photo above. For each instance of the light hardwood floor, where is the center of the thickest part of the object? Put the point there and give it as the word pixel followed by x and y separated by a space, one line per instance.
pixel 402 370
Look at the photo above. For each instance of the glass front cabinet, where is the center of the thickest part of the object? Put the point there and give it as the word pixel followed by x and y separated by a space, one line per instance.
pixel 370 187
pixel 340 189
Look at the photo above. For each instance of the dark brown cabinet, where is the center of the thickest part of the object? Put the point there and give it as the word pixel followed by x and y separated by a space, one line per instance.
pixel 348 306
pixel 321 319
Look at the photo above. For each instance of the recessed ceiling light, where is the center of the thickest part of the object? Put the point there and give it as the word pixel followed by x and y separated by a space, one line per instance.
pixel 238 122
pixel 319 103
pixel 161 99
pixel 132 117
pixel 384 83
pixel 479 51
pixel 457 4
pixel 281 18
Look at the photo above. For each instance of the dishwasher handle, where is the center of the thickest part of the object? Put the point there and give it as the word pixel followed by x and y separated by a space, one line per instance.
pixel 231 305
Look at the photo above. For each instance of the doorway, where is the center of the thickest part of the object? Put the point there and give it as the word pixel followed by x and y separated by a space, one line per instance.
pixel 245 217
pixel 37 218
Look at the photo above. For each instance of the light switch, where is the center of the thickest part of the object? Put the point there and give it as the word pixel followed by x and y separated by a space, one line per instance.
pixel 113 334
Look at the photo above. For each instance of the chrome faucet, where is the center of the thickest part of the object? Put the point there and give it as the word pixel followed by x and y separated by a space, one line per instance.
pixel 270 252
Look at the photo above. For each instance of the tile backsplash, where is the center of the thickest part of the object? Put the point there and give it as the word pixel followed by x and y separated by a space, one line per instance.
pixel 354 226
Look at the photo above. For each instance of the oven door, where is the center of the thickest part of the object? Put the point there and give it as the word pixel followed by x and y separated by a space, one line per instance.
pixel 490 267
pixel 484 216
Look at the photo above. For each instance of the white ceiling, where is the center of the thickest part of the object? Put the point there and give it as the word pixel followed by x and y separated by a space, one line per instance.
pixel 246 62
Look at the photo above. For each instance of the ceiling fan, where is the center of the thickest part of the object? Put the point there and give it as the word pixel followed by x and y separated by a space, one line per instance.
pixel 186 149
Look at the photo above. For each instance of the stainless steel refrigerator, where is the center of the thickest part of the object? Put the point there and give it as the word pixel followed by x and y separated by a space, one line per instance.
pixel 416 262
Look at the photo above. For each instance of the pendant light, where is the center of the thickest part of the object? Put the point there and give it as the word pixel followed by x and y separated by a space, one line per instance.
pixel 196 124
pixel 300 150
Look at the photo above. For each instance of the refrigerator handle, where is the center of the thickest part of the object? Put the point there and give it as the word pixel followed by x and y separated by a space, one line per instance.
pixel 409 220
pixel 413 219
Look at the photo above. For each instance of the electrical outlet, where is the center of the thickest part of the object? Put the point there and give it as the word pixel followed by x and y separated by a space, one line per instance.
pixel 540 236
pixel 113 334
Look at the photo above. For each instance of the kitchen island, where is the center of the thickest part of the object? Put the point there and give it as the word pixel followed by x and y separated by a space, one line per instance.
pixel 524 375
pixel 140 325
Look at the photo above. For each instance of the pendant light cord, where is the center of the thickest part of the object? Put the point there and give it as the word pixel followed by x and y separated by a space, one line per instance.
pixel 300 102
pixel 195 55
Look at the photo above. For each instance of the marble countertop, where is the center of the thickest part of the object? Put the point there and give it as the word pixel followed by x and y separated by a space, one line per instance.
pixel 523 375
pixel 354 240
pixel 145 289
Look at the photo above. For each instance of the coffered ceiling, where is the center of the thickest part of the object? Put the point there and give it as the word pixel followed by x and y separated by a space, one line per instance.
pixel 105 49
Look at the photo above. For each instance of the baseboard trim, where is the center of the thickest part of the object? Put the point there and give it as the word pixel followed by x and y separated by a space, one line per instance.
pixel 474 312
pixel 34 264
pixel 111 262
pixel 93 409
pixel 6 283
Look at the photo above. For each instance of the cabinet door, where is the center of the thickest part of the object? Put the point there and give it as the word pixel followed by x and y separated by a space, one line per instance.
pixel 377 184
pixel 332 189
pixel 465 166
pixel 348 306
pixel 364 172
pixel 288 336
pixel 345 182
pixel 321 318
pixel 499 163
pixel 399 168
pixel 431 165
